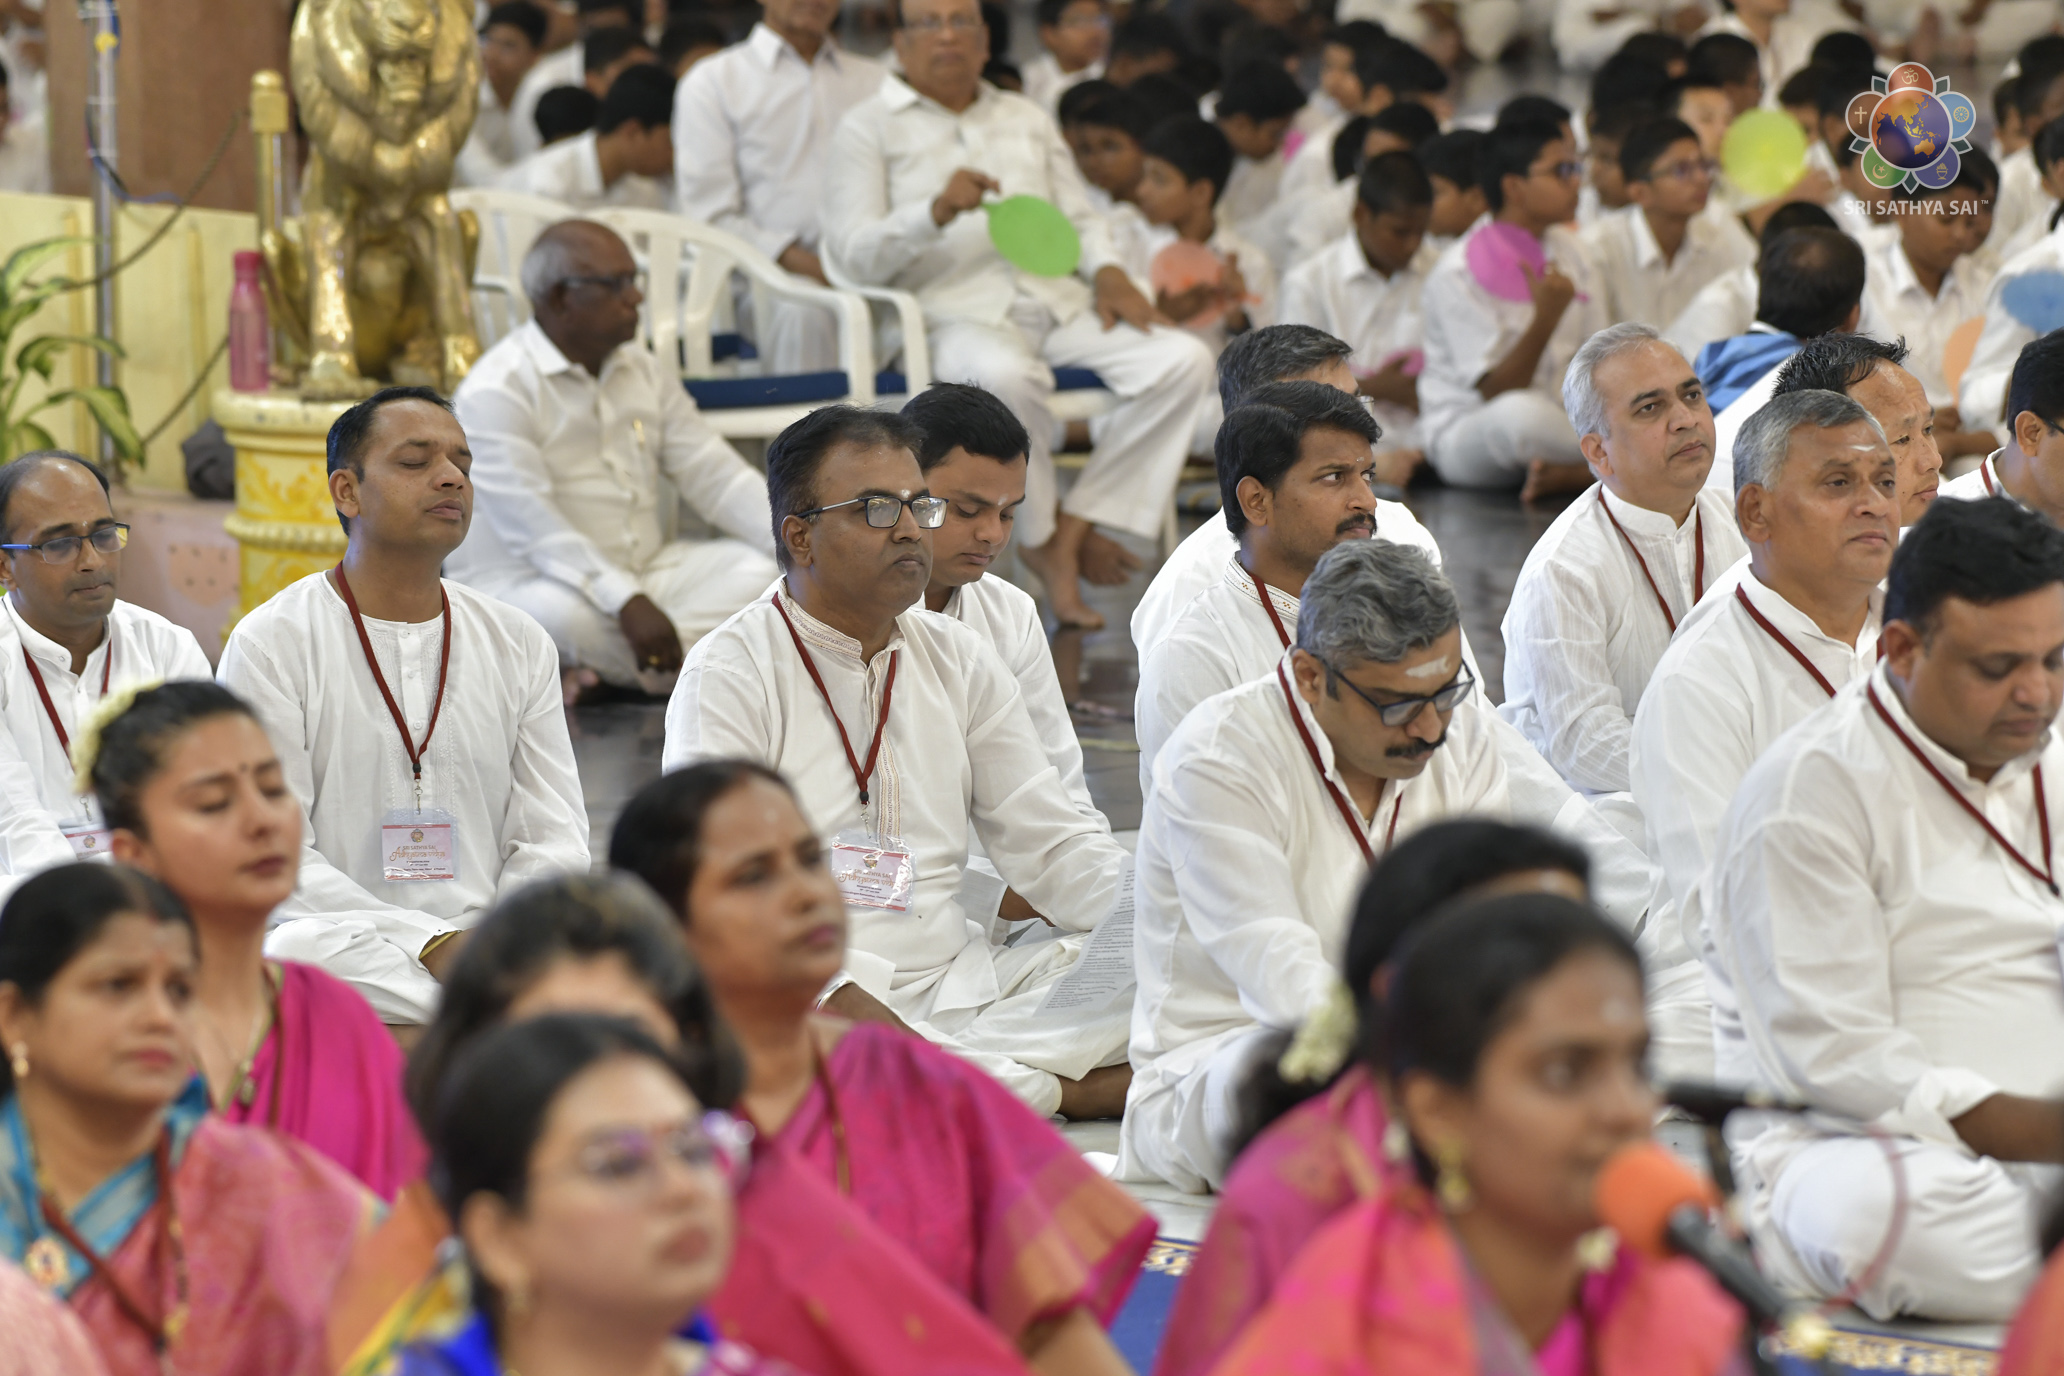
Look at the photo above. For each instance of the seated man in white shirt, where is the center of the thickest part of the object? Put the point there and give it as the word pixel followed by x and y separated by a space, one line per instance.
pixel 65 640
pixel 752 131
pixel 2030 467
pixel 1817 495
pixel 1658 253
pixel 900 730
pixel 909 172
pixel 973 458
pixel 618 162
pixel 510 39
pixel 1488 412
pixel 586 447
pixel 1075 36
pixel 1884 940
pixel 418 722
pixel 1606 586
pixel 1872 372
pixel 1269 804
pixel 1365 288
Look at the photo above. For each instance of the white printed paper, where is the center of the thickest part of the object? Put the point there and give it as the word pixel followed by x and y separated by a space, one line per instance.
pixel 1103 974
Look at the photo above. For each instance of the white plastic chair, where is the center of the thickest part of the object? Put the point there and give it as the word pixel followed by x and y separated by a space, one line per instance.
pixel 510 222
pixel 688 267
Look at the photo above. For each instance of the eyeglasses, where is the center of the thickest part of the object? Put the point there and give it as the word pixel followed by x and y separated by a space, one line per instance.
pixel 629 1158
pixel 1563 171
pixel 617 285
pixel 1404 710
pixel 934 24
pixel 884 512
pixel 65 548
pixel 1685 171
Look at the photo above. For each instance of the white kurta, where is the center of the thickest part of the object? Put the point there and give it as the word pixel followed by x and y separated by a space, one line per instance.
pixel 1583 630
pixel 500 762
pixel 1896 305
pixel 1338 292
pixel 958 749
pixel 1722 309
pixel 579 481
pixel 559 68
pixel 1722 692
pixel 1640 284
pixel 1728 423
pixel 570 172
pixel 1982 481
pixel 1046 83
pixel 1883 957
pixel 1982 395
pixel 37 805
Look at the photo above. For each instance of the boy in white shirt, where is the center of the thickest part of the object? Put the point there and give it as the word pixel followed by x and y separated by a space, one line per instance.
pixel 1656 253
pixel 1103 125
pixel 1256 104
pixel 1187 162
pixel 1076 35
pixel 510 40
pixel 1458 201
pixel 621 160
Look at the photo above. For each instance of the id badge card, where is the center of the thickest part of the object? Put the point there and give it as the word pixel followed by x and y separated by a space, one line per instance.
pixel 873 871
pixel 419 847
pixel 89 841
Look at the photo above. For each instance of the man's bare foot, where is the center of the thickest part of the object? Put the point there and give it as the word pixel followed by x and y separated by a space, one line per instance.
pixel 1546 479
pixel 1054 562
pixel 853 1002
pixel 577 685
pixel 1396 466
pixel 1105 562
pixel 1099 1094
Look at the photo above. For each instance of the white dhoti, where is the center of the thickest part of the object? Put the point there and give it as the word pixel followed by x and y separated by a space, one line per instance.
pixel 1967 1250
pixel 1180 1128
pixel 791 336
pixel 1680 1022
pixel 1493 444
pixel 1162 378
pixel 699 584
pixel 395 983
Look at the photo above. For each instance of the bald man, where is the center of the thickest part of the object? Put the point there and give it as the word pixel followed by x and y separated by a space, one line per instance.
pixel 585 449
pixel 65 641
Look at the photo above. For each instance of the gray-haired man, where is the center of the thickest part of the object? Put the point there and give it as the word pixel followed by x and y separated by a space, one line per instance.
pixel 585 447
pixel 1270 803
pixel 1773 640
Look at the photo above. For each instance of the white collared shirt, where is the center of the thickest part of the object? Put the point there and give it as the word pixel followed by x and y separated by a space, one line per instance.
pixel 959 749
pixel 1256 271
pixel 1792 36
pixel 1469 331
pixel 1046 83
pixel 1640 284
pixel 1729 420
pixel 1251 202
pixel 894 154
pixel 1982 481
pixel 752 130
pixel 500 760
pixel 1722 692
pixel 1338 292
pixel 2021 199
pixel 36 798
pixel 490 150
pixel 1008 618
pixel 570 172
pixel 1722 309
pixel 1895 304
pixel 1982 395
pixel 1873 949
pixel 580 477
pixel 1583 631
pixel 561 68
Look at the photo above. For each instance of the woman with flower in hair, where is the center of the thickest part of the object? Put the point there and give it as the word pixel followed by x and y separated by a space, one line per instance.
pixel 192 795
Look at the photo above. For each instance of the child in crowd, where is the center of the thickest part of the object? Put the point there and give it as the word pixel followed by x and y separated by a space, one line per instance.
pixel 2008 135
pixel 1076 35
pixel 1364 288
pixel 2038 98
pixel 2048 151
pixel 1365 75
pixel 687 40
pixel 1609 126
pixel 1458 200
pixel 1104 126
pixel 1731 62
pixel 1317 221
pixel 565 112
pixel 1256 104
pixel 1187 162
pixel 1145 43
pixel 1660 250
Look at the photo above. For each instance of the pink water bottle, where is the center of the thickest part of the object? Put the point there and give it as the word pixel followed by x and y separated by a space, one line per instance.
pixel 250 332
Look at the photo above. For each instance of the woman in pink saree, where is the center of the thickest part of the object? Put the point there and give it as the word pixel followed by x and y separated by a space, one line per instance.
pixel 993 1201
pixel 192 794
pixel 1303 1166
pixel 1513 1043
pixel 181 1242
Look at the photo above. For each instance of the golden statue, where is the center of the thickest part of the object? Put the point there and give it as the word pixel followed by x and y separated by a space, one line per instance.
pixel 374 281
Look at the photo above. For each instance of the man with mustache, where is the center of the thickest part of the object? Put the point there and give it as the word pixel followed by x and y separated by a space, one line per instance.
pixel 418 722
pixel 1870 371
pixel 1270 802
pixel 65 640
pixel 1776 636
pixel 901 730
pixel 1883 918
pixel 1608 583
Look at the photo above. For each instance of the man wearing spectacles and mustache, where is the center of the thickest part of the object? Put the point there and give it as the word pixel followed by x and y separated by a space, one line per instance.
pixel 1270 803
pixel 901 729
pixel 65 640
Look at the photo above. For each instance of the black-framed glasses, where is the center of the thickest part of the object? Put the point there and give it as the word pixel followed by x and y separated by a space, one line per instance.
pixel 883 512
pixel 616 284
pixel 65 548
pixel 1403 710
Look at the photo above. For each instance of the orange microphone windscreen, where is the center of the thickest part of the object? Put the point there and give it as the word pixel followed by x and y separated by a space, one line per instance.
pixel 1640 1188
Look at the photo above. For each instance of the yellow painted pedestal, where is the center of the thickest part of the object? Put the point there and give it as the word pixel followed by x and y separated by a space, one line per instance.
pixel 284 522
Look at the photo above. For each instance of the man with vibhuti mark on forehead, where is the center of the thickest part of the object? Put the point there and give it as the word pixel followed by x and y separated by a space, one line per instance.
pixel 65 641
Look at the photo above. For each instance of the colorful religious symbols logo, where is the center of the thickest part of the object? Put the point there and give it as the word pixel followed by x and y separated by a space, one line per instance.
pixel 1911 129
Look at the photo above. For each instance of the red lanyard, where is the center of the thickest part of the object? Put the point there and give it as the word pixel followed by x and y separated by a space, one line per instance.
pixel 1698 576
pixel 861 773
pixel 1347 810
pixel 1985 476
pixel 1779 636
pixel 415 750
pixel 2048 873
pixel 107 665
pixel 1268 604
pixel 162 1332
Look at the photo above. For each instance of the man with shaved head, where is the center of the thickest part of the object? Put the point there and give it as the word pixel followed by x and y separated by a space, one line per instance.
pixel 65 640
pixel 586 447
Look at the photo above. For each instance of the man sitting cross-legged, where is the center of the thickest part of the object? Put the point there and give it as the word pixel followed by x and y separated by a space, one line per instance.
pixel 1884 918
pixel 900 729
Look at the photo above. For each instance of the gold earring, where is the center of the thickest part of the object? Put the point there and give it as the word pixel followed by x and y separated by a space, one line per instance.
pixel 18 1060
pixel 1451 1186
